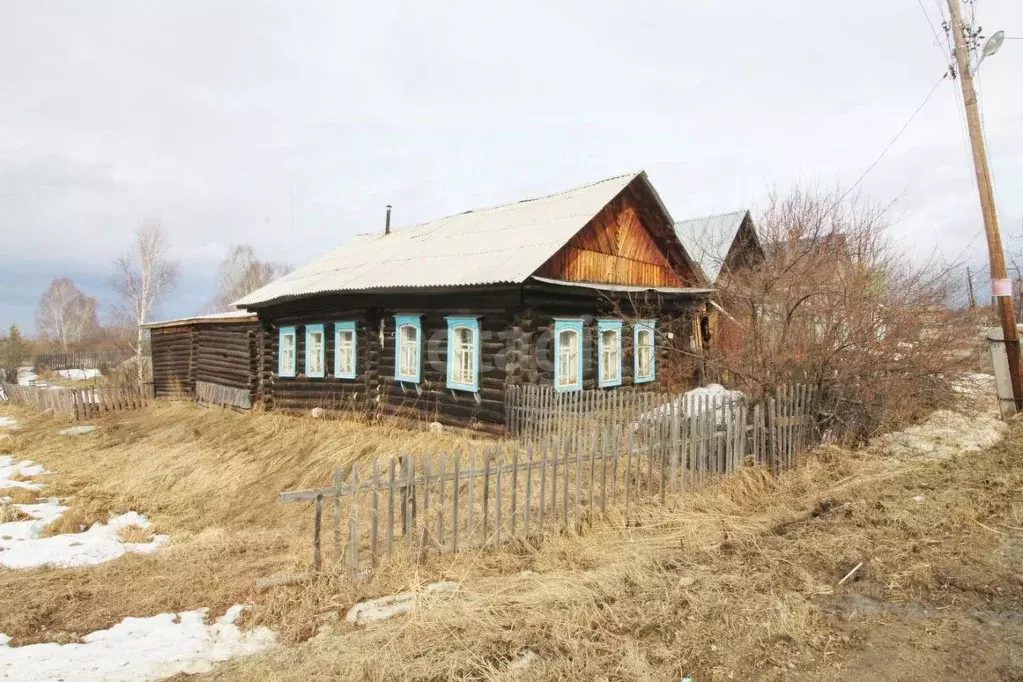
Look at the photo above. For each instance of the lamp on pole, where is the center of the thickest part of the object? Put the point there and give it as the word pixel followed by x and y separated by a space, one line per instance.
pixel 1001 286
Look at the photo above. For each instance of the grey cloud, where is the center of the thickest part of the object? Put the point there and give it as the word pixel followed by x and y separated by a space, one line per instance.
pixel 290 125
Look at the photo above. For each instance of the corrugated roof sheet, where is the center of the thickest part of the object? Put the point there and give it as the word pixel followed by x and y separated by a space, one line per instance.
pixel 502 244
pixel 708 239
pixel 213 318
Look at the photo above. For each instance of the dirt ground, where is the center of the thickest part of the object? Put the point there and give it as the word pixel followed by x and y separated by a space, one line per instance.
pixel 741 581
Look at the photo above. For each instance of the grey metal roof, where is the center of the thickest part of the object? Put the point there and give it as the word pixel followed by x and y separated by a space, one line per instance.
pixel 213 318
pixel 708 239
pixel 502 244
pixel 623 288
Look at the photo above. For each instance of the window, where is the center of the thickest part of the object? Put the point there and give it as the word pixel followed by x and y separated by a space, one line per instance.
pixel 609 360
pixel 464 353
pixel 568 355
pixel 643 340
pixel 344 350
pixel 314 351
pixel 406 358
pixel 286 352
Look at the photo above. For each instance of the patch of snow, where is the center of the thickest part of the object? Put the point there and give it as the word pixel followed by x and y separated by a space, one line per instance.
pixel 943 435
pixel 77 430
pixel 22 547
pixel 79 374
pixel 524 660
pixel 384 608
pixel 26 377
pixel 710 398
pixel 23 468
pixel 975 384
pixel 138 649
pixel 8 423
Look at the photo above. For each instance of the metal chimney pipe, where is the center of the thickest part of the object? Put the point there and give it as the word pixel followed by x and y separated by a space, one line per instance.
pixel 387 221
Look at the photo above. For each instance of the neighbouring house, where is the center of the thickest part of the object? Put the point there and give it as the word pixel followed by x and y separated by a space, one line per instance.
pixel 210 356
pixel 571 290
pixel 723 246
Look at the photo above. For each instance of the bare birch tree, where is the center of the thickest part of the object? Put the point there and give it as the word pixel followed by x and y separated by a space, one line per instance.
pixel 65 315
pixel 242 273
pixel 141 277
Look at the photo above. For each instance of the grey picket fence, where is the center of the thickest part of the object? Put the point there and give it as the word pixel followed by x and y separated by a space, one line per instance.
pixel 572 459
pixel 78 403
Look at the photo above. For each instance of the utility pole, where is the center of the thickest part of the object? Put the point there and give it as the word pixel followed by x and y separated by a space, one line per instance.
pixel 1001 286
pixel 969 283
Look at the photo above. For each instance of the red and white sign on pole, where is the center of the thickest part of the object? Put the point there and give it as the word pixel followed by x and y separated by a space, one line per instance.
pixel 1001 287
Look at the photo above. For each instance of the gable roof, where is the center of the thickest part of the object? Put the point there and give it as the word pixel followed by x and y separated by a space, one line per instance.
pixel 504 244
pixel 708 240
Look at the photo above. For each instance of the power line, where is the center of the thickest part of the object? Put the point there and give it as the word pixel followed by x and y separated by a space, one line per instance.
pixel 897 135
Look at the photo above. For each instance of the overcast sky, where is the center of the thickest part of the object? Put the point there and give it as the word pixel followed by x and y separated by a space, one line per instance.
pixel 289 126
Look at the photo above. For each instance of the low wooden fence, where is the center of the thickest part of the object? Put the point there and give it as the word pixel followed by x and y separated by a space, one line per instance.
pixel 78 403
pixel 570 468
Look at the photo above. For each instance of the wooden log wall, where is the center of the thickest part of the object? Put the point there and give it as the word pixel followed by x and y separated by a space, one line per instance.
pixel 303 392
pixel 431 397
pixel 225 354
pixel 171 349
pixel 513 325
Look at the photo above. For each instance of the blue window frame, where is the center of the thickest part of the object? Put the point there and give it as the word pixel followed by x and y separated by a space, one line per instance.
pixel 408 343
pixel 464 353
pixel 643 356
pixel 315 351
pixel 286 349
pixel 344 350
pixel 609 353
pixel 568 355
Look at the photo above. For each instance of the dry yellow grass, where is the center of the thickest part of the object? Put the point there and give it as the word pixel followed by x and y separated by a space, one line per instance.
pixel 9 513
pixel 730 583
pixel 735 584
pixel 208 477
pixel 135 533
pixel 19 495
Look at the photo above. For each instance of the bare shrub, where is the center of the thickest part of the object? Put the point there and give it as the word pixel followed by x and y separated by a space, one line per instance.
pixel 837 305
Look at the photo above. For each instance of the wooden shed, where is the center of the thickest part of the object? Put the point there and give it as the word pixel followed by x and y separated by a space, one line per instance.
pixel 212 357
pixel 723 246
pixel 574 289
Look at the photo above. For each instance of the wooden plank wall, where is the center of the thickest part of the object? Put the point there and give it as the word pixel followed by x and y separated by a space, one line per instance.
pixel 615 247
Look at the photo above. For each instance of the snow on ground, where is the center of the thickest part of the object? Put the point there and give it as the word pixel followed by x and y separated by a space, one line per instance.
pixel 79 374
pixel 21 544
pixel 8 423
pixel 138 649
pixel 22 547
pixel 710 398
pixel 8 469
pixel 946 434
pixel 26 377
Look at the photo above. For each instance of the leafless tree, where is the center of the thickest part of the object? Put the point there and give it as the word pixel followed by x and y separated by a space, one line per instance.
pixel 141 277
pixel 839 305
pixel 242 273
pixel 65 315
